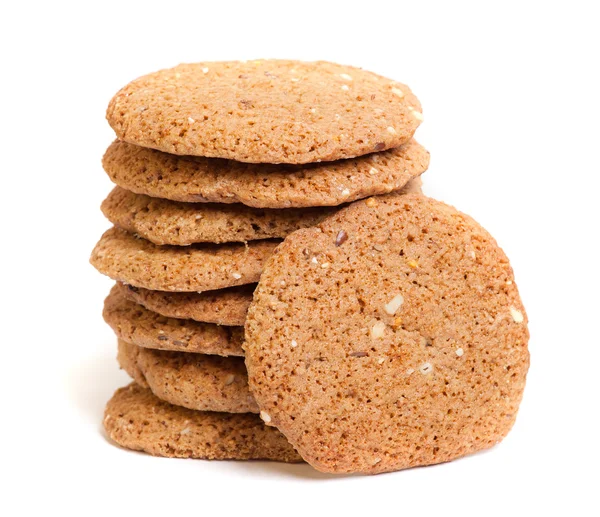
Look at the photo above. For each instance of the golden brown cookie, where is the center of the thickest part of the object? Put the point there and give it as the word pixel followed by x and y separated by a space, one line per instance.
pixel 200 267
pixel 266 111
pixel 195 381
pixel 392 335
pixel 188 179
pixel 135 419
pixel 223 307
pixel 135 324
pixel 168 222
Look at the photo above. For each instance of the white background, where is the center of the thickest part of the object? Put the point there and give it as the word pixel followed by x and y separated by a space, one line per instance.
pixel 511 101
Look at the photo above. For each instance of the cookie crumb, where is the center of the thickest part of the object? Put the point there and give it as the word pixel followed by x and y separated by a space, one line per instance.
pixel 394 304
pixel 266 418
pixel 426 368
pixel 459 352
pixel 517 316
pixel 377 330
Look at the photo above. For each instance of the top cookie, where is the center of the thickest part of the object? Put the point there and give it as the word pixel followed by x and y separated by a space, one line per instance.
pixel 266 111
pixel 391 335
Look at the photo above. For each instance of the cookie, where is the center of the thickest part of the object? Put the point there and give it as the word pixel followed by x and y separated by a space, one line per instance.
pixel 168 222
pixel 200 267
pixel 135 419
pixel 267 111
pixel 135 324
pixel 390 336
pixel 188 179
pixel 223 307
pixel 194 381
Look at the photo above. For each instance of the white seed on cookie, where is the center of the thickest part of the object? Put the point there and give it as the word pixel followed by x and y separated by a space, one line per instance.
pixel 394 304
pixel 377 330
pixel 426 368
pixel 517 316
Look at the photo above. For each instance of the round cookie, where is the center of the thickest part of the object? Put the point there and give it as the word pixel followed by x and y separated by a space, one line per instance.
pixel 265 111
pixel 169 222
pixel 202 180
pixel 135 324
pixel 223 307
pixel 201 267
pixel 195 381
pixel 390 336
pixel 135 419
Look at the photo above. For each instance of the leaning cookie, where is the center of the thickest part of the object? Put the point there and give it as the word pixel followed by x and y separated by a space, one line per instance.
pixel 203 180
pixel 195 381
pixel 169 222
pixel 265 111
pixel 136 419
pixel 203 267
pixel 398 336
pixel 224 306
pixel 135 324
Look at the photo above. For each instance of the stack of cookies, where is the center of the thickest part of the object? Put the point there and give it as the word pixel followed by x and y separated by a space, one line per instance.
pixel 367 345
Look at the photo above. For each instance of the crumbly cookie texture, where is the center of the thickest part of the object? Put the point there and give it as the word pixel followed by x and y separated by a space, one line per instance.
pixel 195 381
pixel 169 222
pixel 136 419
pixel 224 306
pixel 392 335
pixel 135 324
pixel 202 267
pixel 265 111
pixel 202 180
